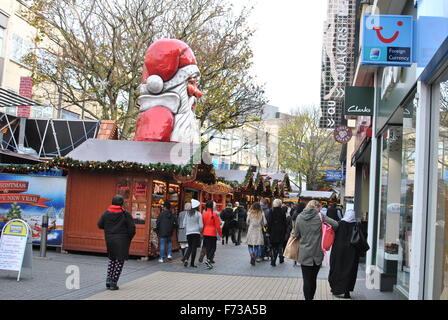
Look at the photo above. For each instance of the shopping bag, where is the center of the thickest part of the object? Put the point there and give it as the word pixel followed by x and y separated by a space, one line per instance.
pixel 292 249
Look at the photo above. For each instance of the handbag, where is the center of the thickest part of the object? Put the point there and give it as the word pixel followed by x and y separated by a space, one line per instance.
pixel 358 240
pixel 292 249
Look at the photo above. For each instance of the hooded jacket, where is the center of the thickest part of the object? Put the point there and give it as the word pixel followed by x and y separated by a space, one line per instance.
pixel 308 230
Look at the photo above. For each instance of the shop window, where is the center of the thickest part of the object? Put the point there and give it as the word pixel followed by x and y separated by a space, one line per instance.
pixel 440 290
pixel 2 40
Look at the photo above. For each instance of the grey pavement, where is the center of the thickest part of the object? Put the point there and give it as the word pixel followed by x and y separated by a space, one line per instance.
pixel 49 276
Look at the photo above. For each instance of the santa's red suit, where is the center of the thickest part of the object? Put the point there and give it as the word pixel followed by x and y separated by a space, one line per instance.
pixel 168 94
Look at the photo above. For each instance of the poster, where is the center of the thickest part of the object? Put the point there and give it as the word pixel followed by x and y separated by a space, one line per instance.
pixel 29 198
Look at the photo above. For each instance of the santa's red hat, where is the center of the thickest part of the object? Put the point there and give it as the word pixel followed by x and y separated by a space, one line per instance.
pixel 168 63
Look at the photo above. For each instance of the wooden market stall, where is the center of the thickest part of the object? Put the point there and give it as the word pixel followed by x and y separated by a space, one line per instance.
pixel 220 193
pixel 140 171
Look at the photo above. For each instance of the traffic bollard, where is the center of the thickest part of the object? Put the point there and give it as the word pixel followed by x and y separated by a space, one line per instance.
pixel 43 236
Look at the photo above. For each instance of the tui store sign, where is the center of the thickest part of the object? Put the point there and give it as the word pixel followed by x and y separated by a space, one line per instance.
pixel 359 101
pixel 388 40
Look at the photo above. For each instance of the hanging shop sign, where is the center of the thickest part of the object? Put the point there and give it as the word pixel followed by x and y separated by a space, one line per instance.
pixel 29 198
pixel 388 40
pixel 15 249
pixel 358 101
pixel 334 175
pixel 342 134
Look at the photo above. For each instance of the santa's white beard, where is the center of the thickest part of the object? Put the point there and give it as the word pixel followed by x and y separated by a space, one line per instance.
pixel 186 128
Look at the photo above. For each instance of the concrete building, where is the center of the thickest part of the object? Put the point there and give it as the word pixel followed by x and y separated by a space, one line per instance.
pixel 253 145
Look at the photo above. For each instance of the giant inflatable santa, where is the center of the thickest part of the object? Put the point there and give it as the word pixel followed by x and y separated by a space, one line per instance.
pixel 168 94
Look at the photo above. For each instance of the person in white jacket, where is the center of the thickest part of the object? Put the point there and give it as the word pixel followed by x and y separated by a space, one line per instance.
pixel 193 228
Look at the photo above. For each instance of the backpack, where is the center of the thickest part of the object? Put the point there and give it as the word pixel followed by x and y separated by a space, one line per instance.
pixel 327 237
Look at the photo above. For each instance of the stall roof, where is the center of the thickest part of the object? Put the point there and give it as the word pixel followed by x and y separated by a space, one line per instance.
pixel 134 151
pixel 316 194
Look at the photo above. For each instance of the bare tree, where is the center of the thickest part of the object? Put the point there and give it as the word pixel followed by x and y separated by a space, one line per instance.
pixel 92 52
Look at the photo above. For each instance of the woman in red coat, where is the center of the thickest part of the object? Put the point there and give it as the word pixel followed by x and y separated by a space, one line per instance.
pixel 212 226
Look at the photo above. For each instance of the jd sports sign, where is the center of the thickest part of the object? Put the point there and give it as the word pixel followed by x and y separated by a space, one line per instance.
pixel 358 101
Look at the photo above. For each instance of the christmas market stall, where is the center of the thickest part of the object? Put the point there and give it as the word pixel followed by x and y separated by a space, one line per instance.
pixel 144 173
pixel 220 193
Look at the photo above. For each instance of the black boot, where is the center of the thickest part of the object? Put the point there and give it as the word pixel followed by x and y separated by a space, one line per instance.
pixel 113 285
pixel 202 255
pixel 108 281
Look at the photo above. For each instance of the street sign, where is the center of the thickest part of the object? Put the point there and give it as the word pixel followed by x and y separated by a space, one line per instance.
pixel 387 40
pixel 15 246
pixel 358 101
pixel 342 134
pixel 334 175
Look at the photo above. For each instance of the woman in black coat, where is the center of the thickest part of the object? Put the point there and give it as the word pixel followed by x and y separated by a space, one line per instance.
pixel 344 258
pixel 119 229
pixel 277 231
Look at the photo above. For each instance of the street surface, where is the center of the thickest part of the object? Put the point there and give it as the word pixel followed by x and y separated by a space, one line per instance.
pixel 233 278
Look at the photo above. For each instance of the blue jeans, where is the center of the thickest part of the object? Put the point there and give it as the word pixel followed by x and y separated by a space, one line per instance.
pixel 163 242
pixel 256 251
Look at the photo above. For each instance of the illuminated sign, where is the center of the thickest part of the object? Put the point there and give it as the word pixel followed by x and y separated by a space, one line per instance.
pixel 387 40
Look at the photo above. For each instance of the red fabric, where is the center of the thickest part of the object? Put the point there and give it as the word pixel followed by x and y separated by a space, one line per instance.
pixel 155 124
pixel 212 224
pixel 165 57
pixel 114 208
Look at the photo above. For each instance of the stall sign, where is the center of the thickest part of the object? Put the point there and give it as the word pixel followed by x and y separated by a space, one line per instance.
pixel 31 197
pixel 388 40
pixel 13 246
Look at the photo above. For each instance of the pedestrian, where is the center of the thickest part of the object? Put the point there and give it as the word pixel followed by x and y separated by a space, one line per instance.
pixel 255 223
pixel 287 210
pixel 344 258
pixel 334 213
pixel 266 248
pixel 119 229
pixel 297 210
pixel 165 225
pixel 241 216
pixel 212 226
pixel 228 216
pixel 193 229
pixel 308 229
pixel 181 235
pixel 276 230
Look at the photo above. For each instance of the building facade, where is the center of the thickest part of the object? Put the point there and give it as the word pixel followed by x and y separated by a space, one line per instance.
pixel 400 156
pixel 253 145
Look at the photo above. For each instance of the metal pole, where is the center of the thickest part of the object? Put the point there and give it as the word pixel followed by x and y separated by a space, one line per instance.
pixel 43 236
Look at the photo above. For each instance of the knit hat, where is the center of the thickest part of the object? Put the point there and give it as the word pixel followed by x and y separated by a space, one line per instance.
pixel 195 203
pixel 168 63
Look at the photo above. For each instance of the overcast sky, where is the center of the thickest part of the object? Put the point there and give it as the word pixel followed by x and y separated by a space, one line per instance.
pixel 287 49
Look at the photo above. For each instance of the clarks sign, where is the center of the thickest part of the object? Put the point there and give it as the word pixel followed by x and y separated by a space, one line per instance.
pixel 358 101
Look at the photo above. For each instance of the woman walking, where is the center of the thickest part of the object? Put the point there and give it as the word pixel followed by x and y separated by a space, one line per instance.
pixel 276 230
pixel 255 222
pixel 212 226
pixel 193 228
pixel 344 258
pixel 308 229
pixel 181 235
pixel 119 229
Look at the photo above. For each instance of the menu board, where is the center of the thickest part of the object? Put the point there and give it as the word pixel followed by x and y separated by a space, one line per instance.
pixel 12 245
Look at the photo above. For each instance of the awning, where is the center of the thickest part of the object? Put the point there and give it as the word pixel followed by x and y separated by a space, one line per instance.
pixel 9 98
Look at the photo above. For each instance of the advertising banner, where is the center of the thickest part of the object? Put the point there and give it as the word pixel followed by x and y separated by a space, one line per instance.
pixel 388 40
pixel 29 198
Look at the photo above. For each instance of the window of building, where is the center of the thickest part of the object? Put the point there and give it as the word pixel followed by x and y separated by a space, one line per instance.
pixel 2 40
pixel 440 276
pixel 65 114
pixel 42 112
pixel 20 48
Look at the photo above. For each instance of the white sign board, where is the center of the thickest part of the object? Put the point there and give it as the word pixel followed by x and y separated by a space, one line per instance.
pixel 13 243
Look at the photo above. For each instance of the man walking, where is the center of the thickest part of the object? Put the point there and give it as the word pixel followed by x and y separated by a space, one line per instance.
pixel 241 216
pixel 166 222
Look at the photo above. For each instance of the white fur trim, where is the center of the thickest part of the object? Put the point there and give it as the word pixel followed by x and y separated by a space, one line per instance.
pixel 182 75
pixel 170 100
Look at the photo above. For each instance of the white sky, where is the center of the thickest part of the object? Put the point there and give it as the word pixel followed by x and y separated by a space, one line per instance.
pixel 287 49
